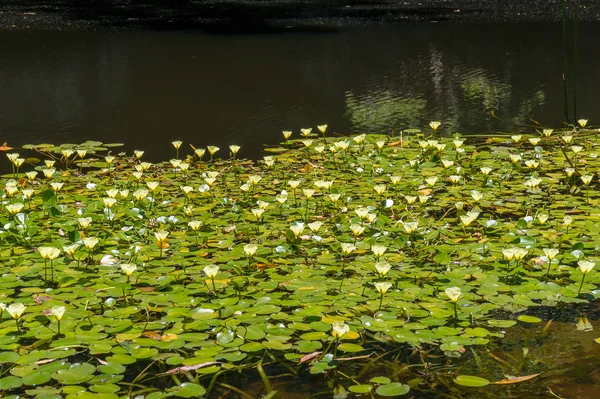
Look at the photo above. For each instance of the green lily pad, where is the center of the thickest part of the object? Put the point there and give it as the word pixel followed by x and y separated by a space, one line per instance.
pixel 10 382
pixel 471 381
pixel 9 357
pixel 362 388
pixel 35 378
pixel 75 374
pixel 392 389
pixel 348 347
pixel 529 319
pixel 189 390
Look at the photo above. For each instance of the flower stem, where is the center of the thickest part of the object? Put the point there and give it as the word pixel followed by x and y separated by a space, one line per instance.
pixel 581 285
pixel 455 312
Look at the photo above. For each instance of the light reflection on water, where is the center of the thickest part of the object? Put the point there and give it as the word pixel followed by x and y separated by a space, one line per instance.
pixel 148 88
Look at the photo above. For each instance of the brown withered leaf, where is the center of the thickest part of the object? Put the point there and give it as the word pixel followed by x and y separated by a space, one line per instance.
pixel 516 380
pixel 185 369
pixel 5 147
pixel 310 356
pixel 152 335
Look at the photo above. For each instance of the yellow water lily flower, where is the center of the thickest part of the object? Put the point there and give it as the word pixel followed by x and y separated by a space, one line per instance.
pixel 128 268
pixel 14 208
pixel 378 250
pixel 453 293
pixel 211 271
pixel 58 312
pixel 250 249
pixel 585 266
pixel 16 310
pixel 297 229
pixel 347 249
pixel 49 253
pixel 383 287
pixel 339 329
pixel 305 132
pixel 435 125
pixel 90 242
pixel 382 267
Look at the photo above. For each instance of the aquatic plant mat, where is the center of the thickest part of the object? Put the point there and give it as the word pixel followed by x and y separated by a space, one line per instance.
pixel 374 265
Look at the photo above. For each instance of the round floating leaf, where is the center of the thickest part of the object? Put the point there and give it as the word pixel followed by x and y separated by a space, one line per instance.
pixel 35 378
pixel 502 323
pixel 393 389
pixel 225 337
pixel 105 388
pixel 112 368
pixel 10 382
pixel 144 353
pixel 309 346
pixel 75 374
pixel 189 390
pixel 362 388
pixel 252 347
pixel 121 359
pixel 471 381
pixel 528 319
pixel 347 347
pixel 9 357
pixel 380 380
pixel 476 332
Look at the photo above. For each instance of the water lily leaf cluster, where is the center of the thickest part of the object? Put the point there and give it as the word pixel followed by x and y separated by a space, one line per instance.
pixel 126 277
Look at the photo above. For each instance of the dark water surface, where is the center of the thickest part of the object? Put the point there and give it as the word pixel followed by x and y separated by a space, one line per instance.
pixel 148 88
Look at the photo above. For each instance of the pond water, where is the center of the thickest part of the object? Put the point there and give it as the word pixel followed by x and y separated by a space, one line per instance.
pixel 147 88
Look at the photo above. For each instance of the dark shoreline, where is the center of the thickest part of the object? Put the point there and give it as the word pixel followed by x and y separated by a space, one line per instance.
pixel 255 16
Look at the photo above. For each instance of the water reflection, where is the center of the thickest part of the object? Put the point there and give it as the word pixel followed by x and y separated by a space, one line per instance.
pixel 147 88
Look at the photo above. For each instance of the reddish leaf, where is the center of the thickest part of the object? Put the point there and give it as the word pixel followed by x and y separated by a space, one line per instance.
pixel 310 356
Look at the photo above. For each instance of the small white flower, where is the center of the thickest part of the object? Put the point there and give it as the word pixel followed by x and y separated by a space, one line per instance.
pixel 109 260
